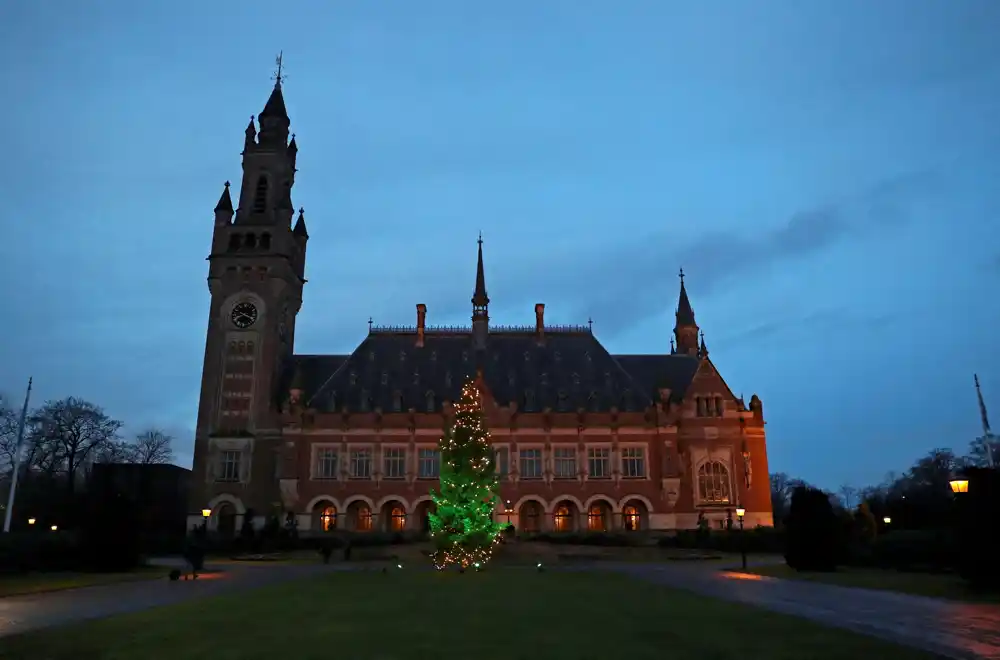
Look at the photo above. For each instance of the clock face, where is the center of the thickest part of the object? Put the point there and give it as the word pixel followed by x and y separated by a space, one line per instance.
pixel 244 315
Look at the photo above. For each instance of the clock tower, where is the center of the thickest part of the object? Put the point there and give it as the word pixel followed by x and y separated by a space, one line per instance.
pixel 255 276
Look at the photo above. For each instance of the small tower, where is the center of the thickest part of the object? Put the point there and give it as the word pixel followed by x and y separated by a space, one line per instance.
pixel 480 304
pixel 685 328
pixel 988 438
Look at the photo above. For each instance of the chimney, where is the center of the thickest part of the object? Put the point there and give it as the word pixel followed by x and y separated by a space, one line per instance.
pixel 540 321
pixel 421 318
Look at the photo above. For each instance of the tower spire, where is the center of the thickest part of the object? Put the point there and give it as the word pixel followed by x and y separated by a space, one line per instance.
pixel 982 407
pixel 685 327
pixel 480 302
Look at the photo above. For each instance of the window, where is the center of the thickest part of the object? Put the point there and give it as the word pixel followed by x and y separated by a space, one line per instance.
pixel 251 241
pixel 229 466
pixel 397 519
pixel 529 399
pixel 597 518
pixel 447 379
pixel 631 518
pixel 531 514
pixel 416 377
pixel 234 242
pixel 633 462
pixel 502 461
pixel 718 406
pixel 265 241
pixel 385 377
pixel 599 462
pixel 394 462
pixel 563 401
pixel 328 518
pixel 565 462
pixel 713 483
pixel 361 464
pixel 365 401
pixel 465 356
pixel 362 518
pixel 326 463
pixel 352 379
pixel 260 196
pixel 397 401
pixel 428 464
pixel 531 464
pixel 563 519
pixel 430 401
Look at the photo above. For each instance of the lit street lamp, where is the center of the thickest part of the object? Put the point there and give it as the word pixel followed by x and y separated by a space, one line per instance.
pixel 740 512
pixel 887 520
pixel 507 510
pixel 205 515
pixel 31 521
pixel 55 527
pixel 959 485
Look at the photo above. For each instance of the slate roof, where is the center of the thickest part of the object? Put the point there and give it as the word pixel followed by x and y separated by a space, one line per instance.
pixel 568 371
pixel 275 106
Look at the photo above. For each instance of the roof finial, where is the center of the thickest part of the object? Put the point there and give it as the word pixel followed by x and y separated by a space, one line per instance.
pixel 277 73
pixel 590 324
pixel 369 324
pixel 682 276
pixel 480 241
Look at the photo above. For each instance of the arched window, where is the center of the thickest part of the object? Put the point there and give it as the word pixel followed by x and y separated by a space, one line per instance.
pixel 260 195
pixel 718 406
pixel 397 519
pixel 713 483
pixel 597 518
pixel 235 241
pixel 328 518
pixel 430 401
pixel 265 241
pixel 362 518
pixel 631 518
pixel 365 402
pixel 563 519
pixel 251 241
pixel 700 403
pixel 563 402
pixel 531 514
pixel 397 401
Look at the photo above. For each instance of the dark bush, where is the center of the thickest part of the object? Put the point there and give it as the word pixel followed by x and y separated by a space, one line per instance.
pixel 602 539
pixel 40 550
pixel 978 543
pixel 912 550
pixel 813 533
pixel 110 536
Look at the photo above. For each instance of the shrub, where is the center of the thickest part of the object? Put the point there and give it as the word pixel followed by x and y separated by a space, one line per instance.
pixel 915 550
pixel 40 550
pixel 812 532
pixel 977 537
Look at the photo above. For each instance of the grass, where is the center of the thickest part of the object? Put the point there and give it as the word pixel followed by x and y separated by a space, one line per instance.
pixel 34 583
pixel 499 614
pixel 934 585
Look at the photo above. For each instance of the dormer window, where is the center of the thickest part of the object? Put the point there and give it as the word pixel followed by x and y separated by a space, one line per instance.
pixel 429 401
pixel 557 356
pixel 371 356
pixel 529 399
pixel 527 356
pixel 510 378
pixel 434 356
pixel 562 400
pixel 586 356
pixel 385 378
pixel 465 356
pixel 416 377
pixel 365 402
pixel 352 378
pixel 544 378
pixel 447 379
pixel 402 356
pixel 397 401
pixel 576 379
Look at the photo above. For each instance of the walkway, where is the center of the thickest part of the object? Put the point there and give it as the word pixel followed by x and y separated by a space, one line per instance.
pixel 951 629
pixel 23 613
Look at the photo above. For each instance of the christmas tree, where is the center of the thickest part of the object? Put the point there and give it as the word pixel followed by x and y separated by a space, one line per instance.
pixel 463 528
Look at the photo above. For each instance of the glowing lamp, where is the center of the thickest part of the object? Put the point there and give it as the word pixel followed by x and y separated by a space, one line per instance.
pixel 740 512
pixel 959 485
pixel 507 507
pixel 887 520
pixel 205 513
pixel 55 527
pixel 31 521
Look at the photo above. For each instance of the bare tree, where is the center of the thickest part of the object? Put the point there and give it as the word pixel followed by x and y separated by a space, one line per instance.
pixel 847 494
pixel 8 436
pixel 72 432
pixel 153 446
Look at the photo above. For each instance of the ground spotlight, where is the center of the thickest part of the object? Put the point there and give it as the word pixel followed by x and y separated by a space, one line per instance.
pixel 540 567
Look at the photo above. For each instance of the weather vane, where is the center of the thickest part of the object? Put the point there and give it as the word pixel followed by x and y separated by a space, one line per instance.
pixel 278 77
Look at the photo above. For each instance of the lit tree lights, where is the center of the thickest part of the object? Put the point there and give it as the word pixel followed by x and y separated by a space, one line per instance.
pixel 462 528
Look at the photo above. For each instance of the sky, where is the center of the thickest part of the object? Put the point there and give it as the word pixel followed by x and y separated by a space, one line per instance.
pixel 826 173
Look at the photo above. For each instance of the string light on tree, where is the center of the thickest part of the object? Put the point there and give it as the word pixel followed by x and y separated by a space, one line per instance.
pixel 462 527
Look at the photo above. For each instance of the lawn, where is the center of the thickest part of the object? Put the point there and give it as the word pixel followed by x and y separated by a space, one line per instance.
pixel 499 614
pixel 33 583
pixel 920 584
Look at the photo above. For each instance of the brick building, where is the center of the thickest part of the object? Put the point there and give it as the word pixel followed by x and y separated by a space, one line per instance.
pixel 585 439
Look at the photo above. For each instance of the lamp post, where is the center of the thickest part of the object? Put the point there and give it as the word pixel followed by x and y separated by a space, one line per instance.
pixel 740 512
pixel 55 527
pixel 31 521
pixel 507 510
pixel 205 515
pixel 959 485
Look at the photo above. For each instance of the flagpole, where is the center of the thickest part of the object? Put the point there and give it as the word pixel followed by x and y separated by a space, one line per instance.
pixel 17 461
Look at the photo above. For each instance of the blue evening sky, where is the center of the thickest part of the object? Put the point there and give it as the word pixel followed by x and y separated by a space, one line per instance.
pixel 827 173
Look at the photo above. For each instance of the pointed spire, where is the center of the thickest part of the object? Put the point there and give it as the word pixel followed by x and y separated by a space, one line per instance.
pixel 251 129
pixel 479 297
pixel 292 147
pixel 685 314
pixel 275 106
pixel 703 350
pixel 673 349
pixel 300 225
pixel 225 204
pixel 982 407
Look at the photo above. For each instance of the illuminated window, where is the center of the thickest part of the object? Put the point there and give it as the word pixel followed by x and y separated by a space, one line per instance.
pixel 502 461
pixel 397 519
pixel 328 518
pixel 597 518
pixel 564 459
pixel 563 519
pixel 363 518
pixel 713 483
pixel 631 518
